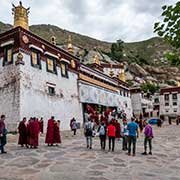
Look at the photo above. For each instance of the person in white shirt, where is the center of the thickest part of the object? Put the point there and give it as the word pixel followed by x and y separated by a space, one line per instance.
pixel 125 134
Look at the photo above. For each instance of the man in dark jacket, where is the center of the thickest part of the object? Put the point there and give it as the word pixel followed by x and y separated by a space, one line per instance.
pixel 3 133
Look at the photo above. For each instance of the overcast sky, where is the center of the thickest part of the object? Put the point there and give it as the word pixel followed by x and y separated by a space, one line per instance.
pixel 109 20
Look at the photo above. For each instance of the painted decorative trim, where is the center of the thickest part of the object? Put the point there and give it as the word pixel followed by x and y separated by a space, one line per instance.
pixel 11 42
pixel 64 60
pixel 35 47
pixel 50 54
pixel 51 84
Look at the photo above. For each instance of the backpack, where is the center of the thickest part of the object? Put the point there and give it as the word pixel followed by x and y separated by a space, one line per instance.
pixel 102 131
pixel 89 129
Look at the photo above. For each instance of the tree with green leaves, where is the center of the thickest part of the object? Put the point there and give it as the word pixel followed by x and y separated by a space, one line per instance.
pixel 149 88
pixel 117 50
pixel 169 28
pixel 173 58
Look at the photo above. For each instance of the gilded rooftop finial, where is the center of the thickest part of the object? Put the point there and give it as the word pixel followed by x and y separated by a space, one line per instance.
pixel 70 46
pixel 96 59
pixel 122 76
pixel 53 40
pixel 20 16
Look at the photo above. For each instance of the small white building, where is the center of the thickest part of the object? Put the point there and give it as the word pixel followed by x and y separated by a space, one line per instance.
pixel 140 104
pixel 170 102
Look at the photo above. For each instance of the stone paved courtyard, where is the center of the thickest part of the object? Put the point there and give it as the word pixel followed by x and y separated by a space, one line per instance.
pixel 72 161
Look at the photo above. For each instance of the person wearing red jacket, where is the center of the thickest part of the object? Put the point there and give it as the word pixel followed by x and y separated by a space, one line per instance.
pixel 111 129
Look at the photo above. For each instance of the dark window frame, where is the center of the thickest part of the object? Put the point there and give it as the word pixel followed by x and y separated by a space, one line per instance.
pixel 38 65
pixel 51 91
pixel 5 58
pixel 66 75
pixel 166 97
pixel 54 64
pixel 174 96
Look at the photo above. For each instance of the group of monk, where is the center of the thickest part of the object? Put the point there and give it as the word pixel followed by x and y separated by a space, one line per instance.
pixel 53 132
pixel 29 132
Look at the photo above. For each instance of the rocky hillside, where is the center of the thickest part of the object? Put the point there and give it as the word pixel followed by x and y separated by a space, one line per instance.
pixel 144 60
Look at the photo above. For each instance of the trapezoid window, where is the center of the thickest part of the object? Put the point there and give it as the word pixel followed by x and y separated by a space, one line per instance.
pixel 35 59
pixel 8 55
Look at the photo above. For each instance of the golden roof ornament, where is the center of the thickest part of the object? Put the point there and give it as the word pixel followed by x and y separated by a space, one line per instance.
pixel 20 16
pixel 53 40
pixel 121 75
pixel 19 59
pixel 70 46
pixel 111 73
pixel 96 59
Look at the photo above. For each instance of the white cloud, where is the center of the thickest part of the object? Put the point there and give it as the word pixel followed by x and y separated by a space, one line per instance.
pixel 129 20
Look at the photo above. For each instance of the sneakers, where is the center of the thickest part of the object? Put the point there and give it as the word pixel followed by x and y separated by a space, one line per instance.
pixel 4 152
pixel 144 153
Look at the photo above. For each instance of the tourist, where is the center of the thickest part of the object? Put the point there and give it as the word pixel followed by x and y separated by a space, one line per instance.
pixel 102 135
pixel 159 122
pixel 3 133
pixel 57 136
pixel 133 135
pixel 22 129
pixel 74 126
pixel 33 133
pixel 169 120
pixel 41 125
pixel 177 120
pixel 88 131
pixel 111 130
pixel 125 134
pixel 148 133
pixel 50 132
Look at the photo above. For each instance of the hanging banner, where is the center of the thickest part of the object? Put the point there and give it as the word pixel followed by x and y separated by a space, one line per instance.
pixel 94 95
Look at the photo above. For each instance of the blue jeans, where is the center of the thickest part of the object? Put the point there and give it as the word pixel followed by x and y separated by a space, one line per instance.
pixel 2 144
pixel 132 140
pixel 89 141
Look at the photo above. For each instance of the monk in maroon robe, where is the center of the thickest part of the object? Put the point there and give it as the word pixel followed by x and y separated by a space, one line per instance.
pixel 33 133
pixel 28 131
pixel 22 129
pixel 50 132
pixel 41 125
pixel 118 129
pixel 57 136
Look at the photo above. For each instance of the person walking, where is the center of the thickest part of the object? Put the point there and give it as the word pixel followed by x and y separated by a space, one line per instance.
pixel 125 134
pixel 74 126
pixel 88 131
pixel 22 129
pixel 148 133
pixel 50 132
pixel 3 133
pixel 132 127
pixel 57 136
pixel 111 130
pixel 102 135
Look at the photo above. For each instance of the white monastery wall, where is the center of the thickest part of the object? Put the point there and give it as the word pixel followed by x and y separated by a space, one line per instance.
pixel 9 94
pixel 35 100
pixel 136 103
